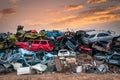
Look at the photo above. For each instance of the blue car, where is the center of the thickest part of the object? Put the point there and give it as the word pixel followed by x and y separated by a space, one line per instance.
pixel 53 33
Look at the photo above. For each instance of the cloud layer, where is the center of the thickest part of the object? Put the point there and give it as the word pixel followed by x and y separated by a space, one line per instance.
pixel 91 16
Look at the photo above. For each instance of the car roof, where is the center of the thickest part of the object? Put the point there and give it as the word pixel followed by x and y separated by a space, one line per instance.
pixel 96 32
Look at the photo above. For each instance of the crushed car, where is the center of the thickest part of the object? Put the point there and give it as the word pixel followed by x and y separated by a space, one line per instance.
pixel 66 53
pixel 115 44
pixel 114 59
pixel 36 45
pixel 53 33
pixel 100 35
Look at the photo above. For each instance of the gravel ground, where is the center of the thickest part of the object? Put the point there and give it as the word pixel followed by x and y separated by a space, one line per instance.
pixel 61 76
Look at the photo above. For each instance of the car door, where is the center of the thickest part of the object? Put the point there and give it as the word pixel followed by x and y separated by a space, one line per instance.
pixel 35 45
pixel 43 45
pixel 104 36
pixel 107 36
pixel 27 45
pixel 100 36
pixel 92 38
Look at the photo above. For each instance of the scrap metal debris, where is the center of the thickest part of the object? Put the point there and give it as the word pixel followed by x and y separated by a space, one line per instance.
pixel 30 52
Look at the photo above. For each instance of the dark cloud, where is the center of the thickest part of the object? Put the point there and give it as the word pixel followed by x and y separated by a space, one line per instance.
pixel 7 11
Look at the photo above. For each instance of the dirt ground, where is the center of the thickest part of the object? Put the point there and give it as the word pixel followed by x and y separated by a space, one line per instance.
pixel 61 76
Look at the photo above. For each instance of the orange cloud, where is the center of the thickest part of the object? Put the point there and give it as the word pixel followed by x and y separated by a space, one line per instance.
pixel 112 8
pixel 13 1
pixel 93 16
pixel 73 7
pixel 86 20
pixel 101 18
pixel 89 19
pixel 66 8
pixel 96 1
pixel 102 12
pixel 64 18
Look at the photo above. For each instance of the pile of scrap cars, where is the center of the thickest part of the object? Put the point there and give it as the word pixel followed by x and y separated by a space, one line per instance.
pixel 83 51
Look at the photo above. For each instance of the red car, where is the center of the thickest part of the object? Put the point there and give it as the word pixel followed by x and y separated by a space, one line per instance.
pixel 35 45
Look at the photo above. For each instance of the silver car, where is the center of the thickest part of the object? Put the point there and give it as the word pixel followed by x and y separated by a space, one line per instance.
pixel 95 36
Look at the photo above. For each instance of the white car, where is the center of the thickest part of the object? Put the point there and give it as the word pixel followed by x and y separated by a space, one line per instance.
pixel 65 52
pixel 94 36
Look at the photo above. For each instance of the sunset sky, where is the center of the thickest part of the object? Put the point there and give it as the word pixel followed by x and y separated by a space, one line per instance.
pixel 59 14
